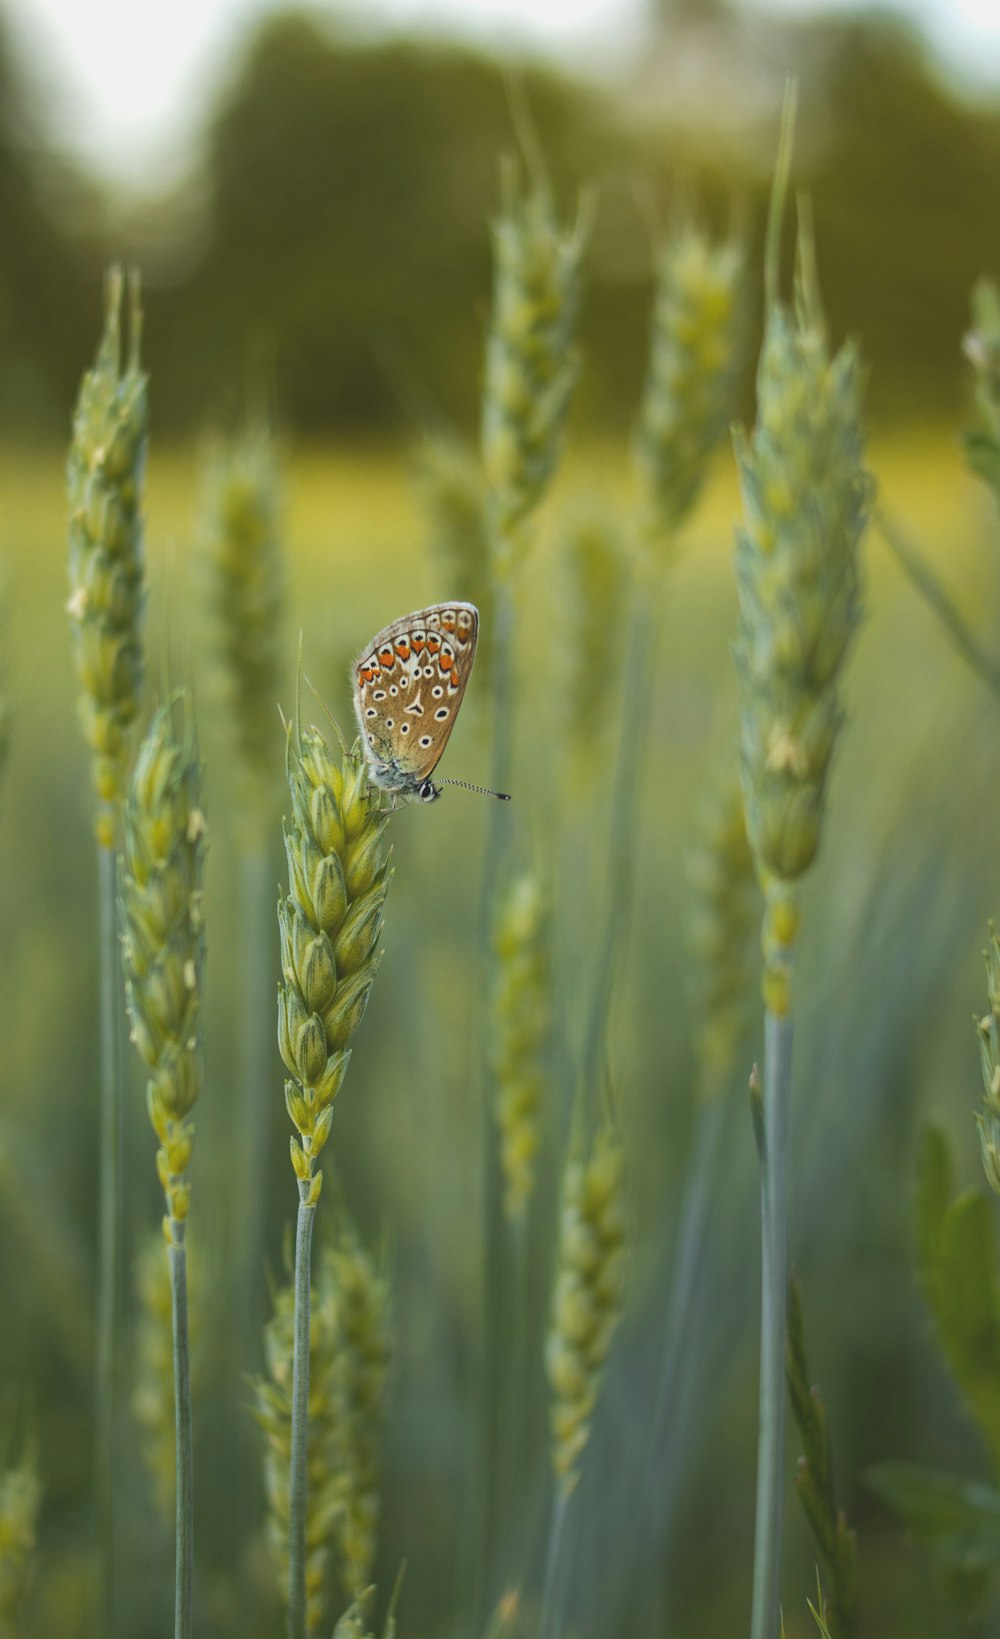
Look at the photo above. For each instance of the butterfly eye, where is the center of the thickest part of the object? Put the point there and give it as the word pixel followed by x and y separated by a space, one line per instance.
pixel 428 791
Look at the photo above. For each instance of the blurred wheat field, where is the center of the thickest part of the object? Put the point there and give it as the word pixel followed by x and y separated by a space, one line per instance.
pixel 895 920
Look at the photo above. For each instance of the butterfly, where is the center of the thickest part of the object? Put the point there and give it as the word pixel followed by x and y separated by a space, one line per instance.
pixel 408 686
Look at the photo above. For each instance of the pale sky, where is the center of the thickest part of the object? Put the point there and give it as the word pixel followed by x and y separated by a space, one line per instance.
pixel 129 77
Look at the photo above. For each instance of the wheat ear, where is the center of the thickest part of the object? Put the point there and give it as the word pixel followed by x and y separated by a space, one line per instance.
pixel 330 921
pixel 163 953
pixel 105 472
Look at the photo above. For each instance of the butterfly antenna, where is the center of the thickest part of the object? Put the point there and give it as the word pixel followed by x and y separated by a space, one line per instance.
pixel 483 790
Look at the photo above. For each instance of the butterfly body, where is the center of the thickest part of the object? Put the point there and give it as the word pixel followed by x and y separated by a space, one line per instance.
pixel 408 686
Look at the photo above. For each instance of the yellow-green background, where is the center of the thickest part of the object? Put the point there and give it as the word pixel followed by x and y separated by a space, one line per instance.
pixel 895 914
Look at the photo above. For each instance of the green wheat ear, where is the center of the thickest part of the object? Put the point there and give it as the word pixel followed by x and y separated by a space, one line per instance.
pixel 587 1300
pixel 242 556
pixel 330 921
pixel 725 919
pixel 595 578
pixel 107 462
pixel 362 1344
pixel 20 1500
pixel 521 1004
pixel 531 360
pixel 348 1362
pixel 695 353
pixel 163 940
pixel 806 496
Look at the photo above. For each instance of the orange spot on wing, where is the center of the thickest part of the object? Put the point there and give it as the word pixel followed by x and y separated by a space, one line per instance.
pixel 449 623
pixel 418 643
pixel 403 650
pixel 388 659
pixel 433 644
pixel 446 662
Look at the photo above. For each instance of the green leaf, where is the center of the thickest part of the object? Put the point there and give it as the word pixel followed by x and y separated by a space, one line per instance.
pixel 958 1271
pixel 935 1506
pixel 956 1519
pixel 969 1308
pixel 934 1188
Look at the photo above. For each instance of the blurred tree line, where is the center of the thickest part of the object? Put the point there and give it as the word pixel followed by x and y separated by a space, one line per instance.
pixel 330 247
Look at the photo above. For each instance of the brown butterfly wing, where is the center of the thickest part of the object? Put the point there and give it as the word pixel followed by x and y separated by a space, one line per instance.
pixel 410 683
